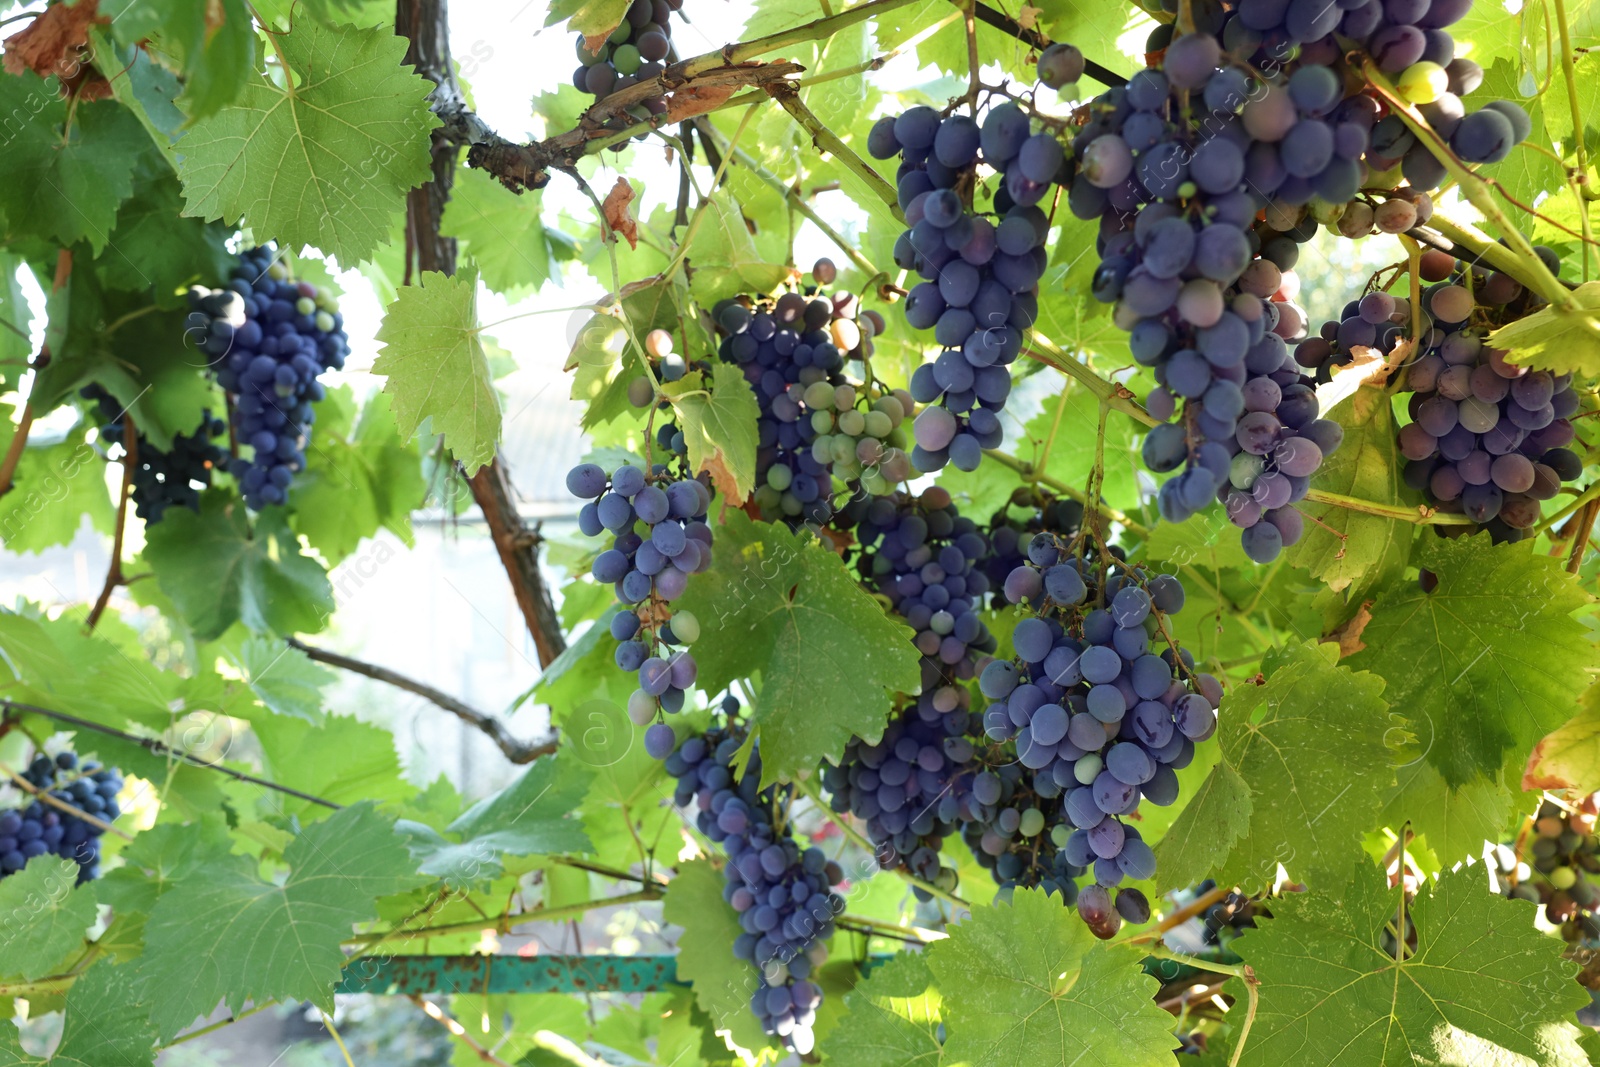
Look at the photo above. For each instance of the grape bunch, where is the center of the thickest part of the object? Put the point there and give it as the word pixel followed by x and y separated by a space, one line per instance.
pixel 1095 712
pixel 1561 871
pixel 164 479
pixel 979 293
pixel 268 337
pixel 793 352
pixel 1009 536
pixel 1020 833
pixel 781 891
pixel 921 554
pixel 637 50
pixel 911 788
pixel 659 537
pixel 1488 439
pixel 40 829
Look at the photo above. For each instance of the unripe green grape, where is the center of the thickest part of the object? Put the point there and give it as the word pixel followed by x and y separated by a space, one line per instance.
pixel 873 482
pixel 1059 835
pixel 842 448
pixel 305 305
pixel 791 505
pixel 1423 82
pixel 1032 823
pixel 1563 877
pixel 324 322
pixel 779 477
pixel 848 471
pixel 844 397
pixel 1087 769
pixel 819 396
pixel 641 392
pixel 890 406
pixel 822 449
pixel 621 33
pixel 767 499
pixel 877 424
pixel 685 627
pixel 822 421
pixel 853 423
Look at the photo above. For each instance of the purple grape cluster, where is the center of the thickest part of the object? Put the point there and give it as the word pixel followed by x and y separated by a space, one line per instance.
pixel 1008 535
pixel 268 338
pixel 912 788
pixel 40 829
pixel 1019 834
pixel 164 479
pixel 979 293
pixel 921 554
pixel 659 537
pixel 782 892
pixel 636 51
pixel 1488 439
pixel 1101 718
pixel 793 352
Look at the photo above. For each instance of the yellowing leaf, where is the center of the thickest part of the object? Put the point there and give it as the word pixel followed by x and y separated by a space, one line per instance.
pixel 1555 340
pixel 437 368
pixel 1569 756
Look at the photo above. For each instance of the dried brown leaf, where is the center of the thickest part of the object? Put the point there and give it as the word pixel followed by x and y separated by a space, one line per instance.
pixel 618 211
pixel 50 43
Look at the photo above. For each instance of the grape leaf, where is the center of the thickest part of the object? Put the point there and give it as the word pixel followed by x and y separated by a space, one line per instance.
pixel 725 256
pixel 212 44
pixel 722 983
pixel 1208 541
pixel 602 360
pixel 1367 466
pixel 893 1018
pixel 218 571
pixel 1530 170
pixel 531 815
pixel 436 366
pixel 15 321
pixel 1454 823
pixel 779 605
pixel 505 234
pixel 42 917
pixel 1313 745
pixel 154 250
pixel 106 1025
pixel 719 427
pixel 1488 662
pixel 65 187
pixel 592 18
pixel 223 934
pixel 55 487
pixel 1569 756
pixel 326 162
pixel 1555 340
pixel 1482 987
pixel 343 760
pixel 283 678
pixel 1026 982
pixel 359 479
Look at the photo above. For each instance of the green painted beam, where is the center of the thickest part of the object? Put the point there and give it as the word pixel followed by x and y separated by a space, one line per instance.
pixel 391 975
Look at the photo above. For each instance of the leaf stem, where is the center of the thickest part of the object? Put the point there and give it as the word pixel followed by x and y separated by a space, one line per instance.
pixel 1577 502
pixel 799 203
pixel 130 463
pixel 1104 389
pixel 1421 515
pixel 1570 75
pixel 1237 970
pixel 327 1020
pixel 827 141
pixel 1253 1000
pixel 456 1030
pixel 1033 473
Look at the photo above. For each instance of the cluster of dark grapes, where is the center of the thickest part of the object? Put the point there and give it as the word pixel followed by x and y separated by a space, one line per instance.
pixel 1561 871
pixel 42 829
pixel 268 337
pixel 921 554
pixel 1020 835
pixel 981 271
pixel 164 479
pixel 793 352
pixel 911 788
pixel 1488 438
pixel 659 537
pixel 1095 712
pixel 636 51
pixel 1009 536
pixel 1219 924
pixel 782 892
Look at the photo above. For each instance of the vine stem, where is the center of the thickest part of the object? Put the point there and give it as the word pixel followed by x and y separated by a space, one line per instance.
pixel 503 924
pixel 969 23
pixel 327 1020
pixel 1033 472
pixel 809 788
pixel 60 805
pixel 1579 501
pixel 1478 243
pixel 1237 970
pixel 798 202
pixel 1473 188
pixel 211 1028
pixel 1420 515
pixel 19 441
pixel 455 1030
pixel 1570 75
pixel 130 462
pixel 825 140
pixel 1104 389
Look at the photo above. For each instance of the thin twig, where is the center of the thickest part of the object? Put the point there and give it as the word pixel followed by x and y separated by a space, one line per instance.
pixel 60 805
pixel 161 748
pixel 19 441
pixel 455 1030
pixel 1008 25
pixel 827 141
pixel 516 751
pixel 130 463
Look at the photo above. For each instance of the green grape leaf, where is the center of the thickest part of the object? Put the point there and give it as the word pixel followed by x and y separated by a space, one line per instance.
pixel 223 934
pixel 725 256
pixel 719 427
pixel 359 479
pixel 779 605
pixel 326 162
pixel 212 44
pixel 283 678
pixel 602 360
pixel 281 13
pixel 65 188
pixel 1026 982
pixel 154 250
pixel 1207 541
pixel 143 86
pixel 508 239
pixel 892 1018
pixel 1487 663
pixel 1454 823
pixel 1555 340
pixel 1530 170
pixel 722 984
pixel 1345 548
pixel 343 760
pixel 1568 757
pixel 106 1025
pixel 55 487
pixel 42 917
pixel 218 571
pixel 16 318
pixel 437 368
pixel 1483 986
pixel 1314 746
pixel 157 858
pixel 531 815
pixel 592 18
